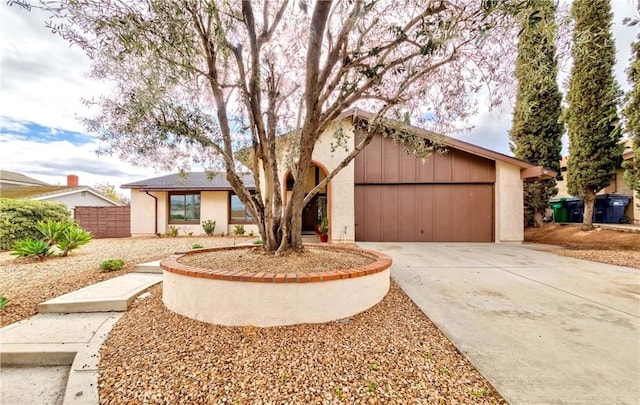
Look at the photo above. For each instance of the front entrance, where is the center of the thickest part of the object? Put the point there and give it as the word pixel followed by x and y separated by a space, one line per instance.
pixel 310 216
pixel 313 213
pixel 316 209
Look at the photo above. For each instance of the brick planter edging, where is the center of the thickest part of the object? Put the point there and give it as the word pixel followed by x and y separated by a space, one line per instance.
pixel 381 263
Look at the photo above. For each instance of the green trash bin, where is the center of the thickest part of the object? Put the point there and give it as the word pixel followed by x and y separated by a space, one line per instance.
pixel 560 211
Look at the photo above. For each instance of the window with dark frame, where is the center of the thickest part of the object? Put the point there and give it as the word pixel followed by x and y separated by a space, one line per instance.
pixel 184 208
pixel 238 213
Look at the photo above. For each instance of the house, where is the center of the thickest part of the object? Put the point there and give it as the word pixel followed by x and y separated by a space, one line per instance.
pixel 616 186
pixel 71 195
pixel 184 202
pixel 470 194
pixel 13 180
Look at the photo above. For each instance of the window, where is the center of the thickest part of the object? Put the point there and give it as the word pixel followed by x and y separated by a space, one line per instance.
pixel 184 208
pixel 238 213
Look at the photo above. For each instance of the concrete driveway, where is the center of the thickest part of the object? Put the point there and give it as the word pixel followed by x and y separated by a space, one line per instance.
pixel 542 328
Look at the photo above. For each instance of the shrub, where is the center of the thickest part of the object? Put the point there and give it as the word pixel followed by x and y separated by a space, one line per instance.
pixel 72 238
pixel 323 228
pixel 196 246
pixel 238 230
pixel 209 226
pixel 19 219
pixel 112 265
pixel 52 231
pixel 172 231
pixel 36 248
pixel 257 242
pixel 3 302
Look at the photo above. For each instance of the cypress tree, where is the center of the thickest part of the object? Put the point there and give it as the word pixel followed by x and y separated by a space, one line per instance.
pixel 592 117
pixel 632 116
pixel 536 131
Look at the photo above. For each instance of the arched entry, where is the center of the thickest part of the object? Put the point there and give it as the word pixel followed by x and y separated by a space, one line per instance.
pixel 317 208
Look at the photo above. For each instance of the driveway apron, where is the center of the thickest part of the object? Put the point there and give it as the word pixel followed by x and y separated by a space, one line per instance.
pixel 542 328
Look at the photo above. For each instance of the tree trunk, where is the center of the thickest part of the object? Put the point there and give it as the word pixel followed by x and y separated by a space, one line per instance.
pixel 537 219
pixel 587 219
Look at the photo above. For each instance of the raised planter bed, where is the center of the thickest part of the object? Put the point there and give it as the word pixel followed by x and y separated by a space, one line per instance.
pixel 273 299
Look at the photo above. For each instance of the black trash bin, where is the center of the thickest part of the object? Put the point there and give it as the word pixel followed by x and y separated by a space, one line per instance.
pixel 609 208
pixel 600 209
pixel 575 208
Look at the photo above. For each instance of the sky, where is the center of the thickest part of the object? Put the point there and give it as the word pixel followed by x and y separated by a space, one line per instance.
pixel 43 81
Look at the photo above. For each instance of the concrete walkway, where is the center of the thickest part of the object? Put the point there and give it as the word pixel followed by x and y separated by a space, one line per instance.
pixel 67 334
pixel 542 328
pixel 110 295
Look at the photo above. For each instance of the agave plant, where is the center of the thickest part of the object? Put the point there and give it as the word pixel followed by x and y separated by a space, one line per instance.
pixel 52 231
pixel 73 237
pixel 36 248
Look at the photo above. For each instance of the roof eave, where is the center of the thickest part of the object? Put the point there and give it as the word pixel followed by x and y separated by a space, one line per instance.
pixel 161 189
pixel 79 189
pixel 536 173
pixel 451 142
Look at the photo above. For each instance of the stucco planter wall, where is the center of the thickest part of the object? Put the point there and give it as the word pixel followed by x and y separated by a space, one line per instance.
pixel 270 299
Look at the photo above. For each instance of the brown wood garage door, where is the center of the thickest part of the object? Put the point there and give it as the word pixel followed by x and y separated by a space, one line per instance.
pixel 424 213
pixel 446 198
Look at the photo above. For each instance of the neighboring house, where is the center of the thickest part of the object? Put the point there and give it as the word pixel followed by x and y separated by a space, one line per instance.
pixel 470 194
pixel 617 185
pixel 71 195
pixel 13 180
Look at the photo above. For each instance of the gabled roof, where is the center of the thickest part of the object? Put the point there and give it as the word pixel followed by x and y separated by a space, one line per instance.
pixel 528 170
pixel 48 192
pixel 7 176
pixel 189 181
pixel 357 113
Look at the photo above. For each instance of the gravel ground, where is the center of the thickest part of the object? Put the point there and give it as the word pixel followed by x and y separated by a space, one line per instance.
pixel 627 258
pixel 27 283
pixel 389 354
pixel 310 261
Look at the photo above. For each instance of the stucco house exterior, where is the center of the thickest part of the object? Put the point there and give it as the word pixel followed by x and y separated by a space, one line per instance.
pixel 72 194
pixel 184 201
pixel 469 194
pixel 617 185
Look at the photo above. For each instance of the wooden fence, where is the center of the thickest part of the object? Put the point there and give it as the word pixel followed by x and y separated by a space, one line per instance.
pixel 105 222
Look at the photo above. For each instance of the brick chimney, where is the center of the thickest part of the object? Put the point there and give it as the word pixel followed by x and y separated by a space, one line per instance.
pixel 72 180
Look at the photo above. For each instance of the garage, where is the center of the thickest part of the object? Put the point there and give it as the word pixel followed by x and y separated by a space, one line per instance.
pixel 398 198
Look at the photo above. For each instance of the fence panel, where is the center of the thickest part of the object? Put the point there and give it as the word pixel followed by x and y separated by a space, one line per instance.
pixel 105 222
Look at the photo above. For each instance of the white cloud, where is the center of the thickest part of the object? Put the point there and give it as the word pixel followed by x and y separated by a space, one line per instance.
pixel 52 162
pixel 9 125
pixel 42 78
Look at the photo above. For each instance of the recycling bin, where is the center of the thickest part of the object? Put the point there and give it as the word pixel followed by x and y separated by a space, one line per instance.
pixel 560 211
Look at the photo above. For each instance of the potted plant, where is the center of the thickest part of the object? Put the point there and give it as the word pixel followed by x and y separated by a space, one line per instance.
pixel 323 230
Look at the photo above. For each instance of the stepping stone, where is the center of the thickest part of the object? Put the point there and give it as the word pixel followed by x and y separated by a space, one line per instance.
pixel 111 295
pixel 149 267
